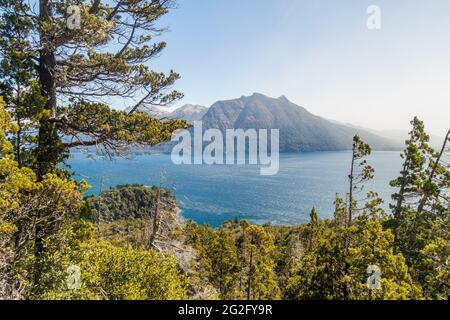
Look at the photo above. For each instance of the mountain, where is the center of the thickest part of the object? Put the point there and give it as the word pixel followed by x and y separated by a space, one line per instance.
pixel 300 130
pixel 189 112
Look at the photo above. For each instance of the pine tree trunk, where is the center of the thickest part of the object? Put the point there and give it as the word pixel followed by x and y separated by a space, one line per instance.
pixel 18 142
pixel 49 144
pixel 156 220
pixel 398 207
pixel 250 275
pixel 350 206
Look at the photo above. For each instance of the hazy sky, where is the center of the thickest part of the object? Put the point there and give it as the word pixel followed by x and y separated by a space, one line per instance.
pixel 320 54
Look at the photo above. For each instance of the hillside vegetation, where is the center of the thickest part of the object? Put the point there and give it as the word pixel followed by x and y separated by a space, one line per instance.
pixel 131 243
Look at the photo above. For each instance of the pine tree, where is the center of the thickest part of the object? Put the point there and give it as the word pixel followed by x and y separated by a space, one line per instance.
pixel 412 175
pixel 22 197
pixel 436 262
pixel 411 234
pixel 431 268
pixel 259 267
pixel 313 225
pixel 421 210
pixel 57 77
pixel 360 172
pixel 225 264
pixel 336 266
pixel 438 177
pixel 331 270
pixel 111 272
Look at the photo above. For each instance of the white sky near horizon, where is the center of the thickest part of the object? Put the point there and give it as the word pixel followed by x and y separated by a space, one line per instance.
pixel 319 54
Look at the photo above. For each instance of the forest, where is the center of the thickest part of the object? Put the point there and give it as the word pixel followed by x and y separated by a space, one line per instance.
pixel 130 242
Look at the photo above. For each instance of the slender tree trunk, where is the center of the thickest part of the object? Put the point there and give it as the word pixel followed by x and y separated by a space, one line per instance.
pixel 221 284
pixel 18 142
pixel 401 198
pixel 156 220
pixel 49 144
pixel 398 206
pixel 349 221
pixel 250 275
pixel 350 206
pixel 19 127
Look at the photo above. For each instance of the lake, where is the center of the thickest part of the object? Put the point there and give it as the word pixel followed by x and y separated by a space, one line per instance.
pixel 214 194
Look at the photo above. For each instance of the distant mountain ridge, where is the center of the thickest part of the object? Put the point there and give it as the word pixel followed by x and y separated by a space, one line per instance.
pixel 189 112
pixel 300 130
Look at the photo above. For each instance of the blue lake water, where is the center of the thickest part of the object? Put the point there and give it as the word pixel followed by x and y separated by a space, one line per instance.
pixel 214 194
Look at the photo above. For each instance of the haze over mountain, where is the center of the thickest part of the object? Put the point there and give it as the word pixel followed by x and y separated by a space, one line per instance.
pixel 402 135
pixel 188 112
pixel 397 135
pixel 300 130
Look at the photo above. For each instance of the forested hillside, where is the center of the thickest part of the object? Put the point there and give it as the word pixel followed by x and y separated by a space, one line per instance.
pixel 130 242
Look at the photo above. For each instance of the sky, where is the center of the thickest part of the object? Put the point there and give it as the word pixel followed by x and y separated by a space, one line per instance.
pixel 319 54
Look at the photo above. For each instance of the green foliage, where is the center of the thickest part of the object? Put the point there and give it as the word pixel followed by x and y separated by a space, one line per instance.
pixel 54 80
pixel 335 268
pixel 238 259
pixel 128 202
pixel 360 172
pixel 257 248
pixel 113 132
pixel 121 273
pixel 335 256
pixel 46 229
pixel 27 203
pixel 421 212
pixel 437 266
pixel 44 62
